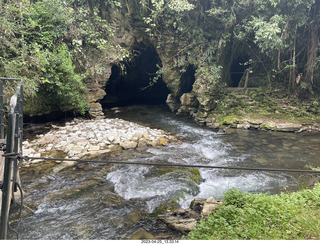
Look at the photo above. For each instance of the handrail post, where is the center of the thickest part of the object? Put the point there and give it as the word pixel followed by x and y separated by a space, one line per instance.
pixel 13 145
pixel 7 183
pixel 1 111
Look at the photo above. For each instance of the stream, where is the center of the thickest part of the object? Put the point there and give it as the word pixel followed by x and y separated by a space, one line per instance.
pixel 119 207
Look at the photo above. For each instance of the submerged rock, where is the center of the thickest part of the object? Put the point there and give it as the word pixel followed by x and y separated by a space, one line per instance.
pixel 142 234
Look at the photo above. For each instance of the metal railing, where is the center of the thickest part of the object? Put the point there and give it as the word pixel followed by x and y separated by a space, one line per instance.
pixel 13 145
pixel 1 111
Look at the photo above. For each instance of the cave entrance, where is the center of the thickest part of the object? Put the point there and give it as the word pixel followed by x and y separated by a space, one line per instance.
pixel 237 70
pixel 187 79
pixel 137 81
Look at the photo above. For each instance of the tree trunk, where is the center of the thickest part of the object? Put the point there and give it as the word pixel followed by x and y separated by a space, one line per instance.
pixel 313 44
pixel 283 36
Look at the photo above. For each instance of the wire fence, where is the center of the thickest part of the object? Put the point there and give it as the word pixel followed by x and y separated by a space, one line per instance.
pixel 162 164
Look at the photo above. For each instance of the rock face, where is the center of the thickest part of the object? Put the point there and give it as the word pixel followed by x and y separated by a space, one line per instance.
pixel 189 104
pixel 91 137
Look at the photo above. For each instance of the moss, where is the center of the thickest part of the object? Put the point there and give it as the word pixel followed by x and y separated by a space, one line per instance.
pixel 228 120
pixel 268 127
pixel 170 205
pixel 195 175
pixel 188 173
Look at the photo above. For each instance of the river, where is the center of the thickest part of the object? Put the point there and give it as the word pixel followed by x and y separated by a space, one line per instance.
pixel 119 207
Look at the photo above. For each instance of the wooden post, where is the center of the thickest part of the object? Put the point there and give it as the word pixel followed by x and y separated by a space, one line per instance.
pixel 246 79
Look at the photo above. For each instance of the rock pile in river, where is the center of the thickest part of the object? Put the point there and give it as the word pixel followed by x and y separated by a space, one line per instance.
pixel 90 137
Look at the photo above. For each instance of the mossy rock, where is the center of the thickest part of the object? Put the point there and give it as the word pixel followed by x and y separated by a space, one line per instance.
pixel 229 120
pixel 193 178
pixel 168 206
pixel 268 127
pixel 188 173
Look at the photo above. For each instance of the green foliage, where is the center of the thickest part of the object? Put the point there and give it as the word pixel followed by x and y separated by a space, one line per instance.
pixel 267 34
pixel 255 94
pixel 61 89
pixel 34 50
pixel 245 216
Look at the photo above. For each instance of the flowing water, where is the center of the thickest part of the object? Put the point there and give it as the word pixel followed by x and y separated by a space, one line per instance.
pixel 119 206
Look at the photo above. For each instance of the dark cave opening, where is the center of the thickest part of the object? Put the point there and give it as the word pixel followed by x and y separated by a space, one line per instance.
pixel 237 70
pixel 136 81
pixel 187 79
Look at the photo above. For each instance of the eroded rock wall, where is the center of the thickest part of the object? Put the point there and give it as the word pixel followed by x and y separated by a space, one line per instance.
pixel 182 65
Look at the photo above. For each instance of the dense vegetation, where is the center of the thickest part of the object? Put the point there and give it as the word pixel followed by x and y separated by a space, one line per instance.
pixel 245 216
pixel 59 47
pixel 64 51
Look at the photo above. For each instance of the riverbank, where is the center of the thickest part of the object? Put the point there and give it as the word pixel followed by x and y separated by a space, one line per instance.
pixel 258 109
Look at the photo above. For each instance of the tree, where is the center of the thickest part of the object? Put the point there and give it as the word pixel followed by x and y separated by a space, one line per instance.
pixel 33 49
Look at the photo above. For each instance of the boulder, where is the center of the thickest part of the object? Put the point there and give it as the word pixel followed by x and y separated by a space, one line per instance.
pixel 129 144
pixel 197 204
pixel 162 141
pixel 181 219
pixel 209 206
pixel 95 110
pixel 180 224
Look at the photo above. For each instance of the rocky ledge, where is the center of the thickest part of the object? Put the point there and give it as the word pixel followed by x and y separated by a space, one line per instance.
pixel 81 138
pixel 262 124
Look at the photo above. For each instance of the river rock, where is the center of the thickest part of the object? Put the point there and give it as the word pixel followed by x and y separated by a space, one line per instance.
pixel 129 144
pixel 289 127
pixel 255 123
pixel 136 215
pixel 180 224
pixel 113 200
pixel 142 234
pixel 181 219
pixel 209 206
pixel 46 139
pixel 162 141
pixel 197 204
